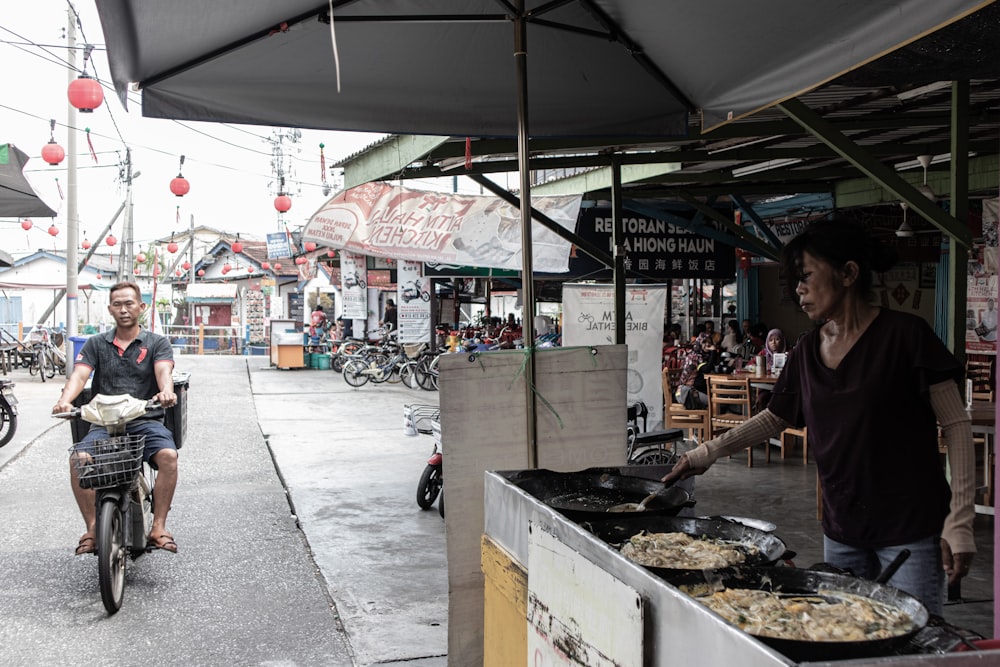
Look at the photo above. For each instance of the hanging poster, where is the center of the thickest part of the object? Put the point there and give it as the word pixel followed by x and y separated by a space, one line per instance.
pixel 413 303
pixel 382 220
pixel 589 319
pixel 277 245
pixel 353 281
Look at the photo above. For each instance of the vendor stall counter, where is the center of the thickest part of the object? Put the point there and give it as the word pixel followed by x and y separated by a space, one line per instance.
pixel 287 344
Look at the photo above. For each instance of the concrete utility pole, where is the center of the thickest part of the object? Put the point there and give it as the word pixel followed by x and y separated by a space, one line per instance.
pixel 72 211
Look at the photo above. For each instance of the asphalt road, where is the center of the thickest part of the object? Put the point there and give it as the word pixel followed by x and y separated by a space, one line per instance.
pixel 300 542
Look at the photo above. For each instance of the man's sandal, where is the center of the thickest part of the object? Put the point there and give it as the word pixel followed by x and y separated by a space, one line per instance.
pixel 164 541
pixel 86 545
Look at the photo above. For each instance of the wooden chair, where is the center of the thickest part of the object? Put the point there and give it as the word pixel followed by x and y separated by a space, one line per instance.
pixel 785 441
pixel 676 415
pixel 729 406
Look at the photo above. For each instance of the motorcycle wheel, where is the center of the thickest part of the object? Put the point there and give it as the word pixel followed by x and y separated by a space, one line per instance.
pixel 441 504
pixel 354 373
pixel 429 486
pixel 8 423
pixel 426 296
pixel 111 554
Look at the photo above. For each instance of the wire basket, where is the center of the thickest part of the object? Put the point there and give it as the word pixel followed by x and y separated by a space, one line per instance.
pixel 113 461
pixel 413 349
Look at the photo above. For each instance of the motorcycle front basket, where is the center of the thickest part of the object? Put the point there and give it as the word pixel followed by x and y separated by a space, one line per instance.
pixel 110 462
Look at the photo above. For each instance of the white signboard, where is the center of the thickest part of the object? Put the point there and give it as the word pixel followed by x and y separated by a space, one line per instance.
pixel 382 220
pixel 413 303
pixel 589 319
pixel 353 281
pixel 578 614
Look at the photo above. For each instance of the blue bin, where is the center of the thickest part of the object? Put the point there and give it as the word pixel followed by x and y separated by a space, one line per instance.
pixel 78 342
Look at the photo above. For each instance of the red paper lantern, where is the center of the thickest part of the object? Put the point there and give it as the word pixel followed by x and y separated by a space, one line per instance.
pixel 53 153
pixel 26 224
pixel 186 265
pixel 265 265
pixel 171 247
pixel 85 93
pixel 53 231
pixel 282 203
pixel 111 240
pixel 237 246
pixel 226 268
pixel 141 258
pixel 99 276
pixel 136 270
pixel 177 272
pixel 85 245
pixel 277 266
pixel 300 259
pixel 331 253
pixel 180 186
pixel 309 246
pixel 249 269
pixel 201 272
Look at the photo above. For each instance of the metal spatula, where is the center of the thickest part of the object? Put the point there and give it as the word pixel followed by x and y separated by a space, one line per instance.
pixel 641 506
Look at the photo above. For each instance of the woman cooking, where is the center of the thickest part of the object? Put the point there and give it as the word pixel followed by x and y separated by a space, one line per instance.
pixel 872 385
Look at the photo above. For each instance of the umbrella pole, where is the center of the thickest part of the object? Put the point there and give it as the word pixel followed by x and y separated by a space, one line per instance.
pixel 527 285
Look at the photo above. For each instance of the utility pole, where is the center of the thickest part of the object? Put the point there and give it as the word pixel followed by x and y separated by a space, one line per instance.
pixel 72 211
pixel 127 255
pixel 191 271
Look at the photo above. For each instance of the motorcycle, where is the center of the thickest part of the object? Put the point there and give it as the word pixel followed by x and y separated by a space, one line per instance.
pixel 412 291
pixel 123 483
pixel 354 280
pixel 426 419
pixel 8 412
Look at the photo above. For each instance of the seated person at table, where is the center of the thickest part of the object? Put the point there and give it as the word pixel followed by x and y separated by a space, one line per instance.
pixel 692 391
pixel 775 343
pixel 733 339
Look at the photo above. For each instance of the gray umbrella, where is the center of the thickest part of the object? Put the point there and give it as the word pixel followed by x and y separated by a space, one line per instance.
pixel 17 197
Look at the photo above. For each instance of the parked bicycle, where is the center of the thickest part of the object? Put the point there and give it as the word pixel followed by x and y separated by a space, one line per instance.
pixel 8 412
pixel 43 357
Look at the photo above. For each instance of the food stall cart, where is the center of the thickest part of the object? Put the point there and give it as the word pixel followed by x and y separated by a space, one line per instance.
pixel 287 344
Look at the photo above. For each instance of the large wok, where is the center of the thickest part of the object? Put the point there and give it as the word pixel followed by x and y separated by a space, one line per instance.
pixel 617 530
pixel 588 494
pixel 804 581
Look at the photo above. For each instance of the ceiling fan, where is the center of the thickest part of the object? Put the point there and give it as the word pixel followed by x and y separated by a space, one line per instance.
pixel 905 230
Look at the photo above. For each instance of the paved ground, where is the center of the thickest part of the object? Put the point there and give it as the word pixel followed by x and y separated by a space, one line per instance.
pixel 363 582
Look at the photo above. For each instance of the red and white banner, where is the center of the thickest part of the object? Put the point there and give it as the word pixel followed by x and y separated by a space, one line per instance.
pixel 353 284
pixel 381 220
pixel 413 303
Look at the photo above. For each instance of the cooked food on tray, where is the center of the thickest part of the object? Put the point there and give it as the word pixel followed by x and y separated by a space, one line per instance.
pixel 681 551
pixel 829 616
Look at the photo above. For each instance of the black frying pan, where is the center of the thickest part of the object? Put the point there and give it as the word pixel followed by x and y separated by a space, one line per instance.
pixel 589 494
pixel 803 581
pixel 616 531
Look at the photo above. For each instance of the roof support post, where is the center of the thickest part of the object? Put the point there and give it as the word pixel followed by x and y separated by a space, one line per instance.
pixel 618 241
pixel 959 265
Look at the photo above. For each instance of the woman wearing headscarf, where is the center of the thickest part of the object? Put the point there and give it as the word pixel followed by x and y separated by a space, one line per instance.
pixel 775 343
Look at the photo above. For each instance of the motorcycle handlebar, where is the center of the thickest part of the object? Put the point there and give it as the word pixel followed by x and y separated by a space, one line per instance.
pixel 151 404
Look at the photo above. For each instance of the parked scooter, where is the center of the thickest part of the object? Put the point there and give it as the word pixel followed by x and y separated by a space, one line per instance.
pixel 413 290
pixel 8 412
pixel 426 419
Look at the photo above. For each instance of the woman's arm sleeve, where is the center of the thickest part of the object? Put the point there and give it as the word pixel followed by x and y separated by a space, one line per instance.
pixel 757 429
pixel 957 431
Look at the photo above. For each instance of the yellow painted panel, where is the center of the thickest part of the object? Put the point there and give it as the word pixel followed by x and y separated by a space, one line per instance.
pixel 505 608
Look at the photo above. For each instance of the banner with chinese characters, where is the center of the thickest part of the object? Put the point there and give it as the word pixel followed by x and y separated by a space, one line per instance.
pixel 382 220
pixel 413 303
pixel 353 281
pixel 655 249
pixel 589 319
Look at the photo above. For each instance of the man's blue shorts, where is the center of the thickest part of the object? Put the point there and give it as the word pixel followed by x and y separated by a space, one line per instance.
pixel 157 437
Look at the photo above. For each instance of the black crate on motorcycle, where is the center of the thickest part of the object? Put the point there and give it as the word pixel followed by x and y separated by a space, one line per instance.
pixel 113 462
pixel 174 418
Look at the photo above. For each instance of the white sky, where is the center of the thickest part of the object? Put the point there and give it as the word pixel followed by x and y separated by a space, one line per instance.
pixel 228 166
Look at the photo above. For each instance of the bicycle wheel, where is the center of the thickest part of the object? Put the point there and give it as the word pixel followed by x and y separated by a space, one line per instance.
pixel 50 364
pixel 654 457
pixel 354 373
pixel 111 554
pixel 426 368
pixel 395 373
pixel 429 486
pixel 8 423
pixel 432 372
pixel 33 364
pixel 408 374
